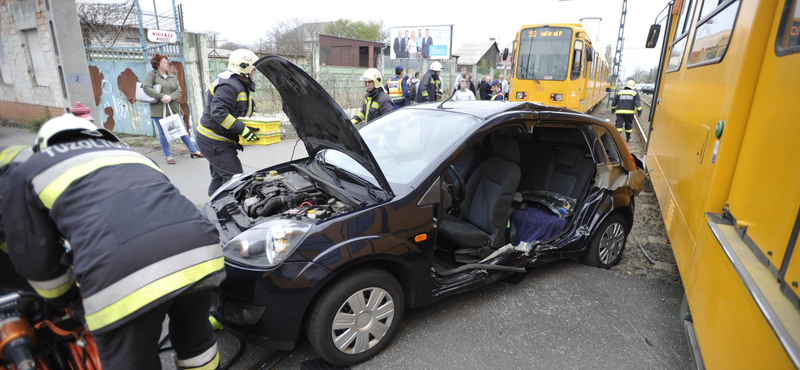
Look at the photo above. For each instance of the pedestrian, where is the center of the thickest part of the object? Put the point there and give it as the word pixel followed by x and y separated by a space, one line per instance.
pixel 229 97
pixel 429 85
pixel 414 87
pixel 485 87
pixel 460 78
pixel 412 46
pixel 471 85
pixel 463 94
pixel 503 84
pixel 170 91
pixel 626 103
pixel 497 91
pixel 376 101
pixel 86 216
pixel 398 89
pixel 10 280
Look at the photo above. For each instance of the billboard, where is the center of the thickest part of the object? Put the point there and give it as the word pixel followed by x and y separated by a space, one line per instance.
pixel 435 42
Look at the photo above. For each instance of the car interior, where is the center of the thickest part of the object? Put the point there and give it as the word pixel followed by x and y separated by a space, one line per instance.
pixel 514 187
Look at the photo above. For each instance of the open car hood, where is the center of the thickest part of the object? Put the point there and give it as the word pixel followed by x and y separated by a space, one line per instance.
pixel 319 121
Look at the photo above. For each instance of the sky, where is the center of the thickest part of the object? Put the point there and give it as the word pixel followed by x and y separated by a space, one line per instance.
pixel 247 21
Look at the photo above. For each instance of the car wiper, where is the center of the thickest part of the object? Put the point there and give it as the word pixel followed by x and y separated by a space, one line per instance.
pixel 358 180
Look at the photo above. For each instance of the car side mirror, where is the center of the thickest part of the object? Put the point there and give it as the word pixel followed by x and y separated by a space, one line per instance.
pixel 433 195
pixel 652 36
pixel 505 53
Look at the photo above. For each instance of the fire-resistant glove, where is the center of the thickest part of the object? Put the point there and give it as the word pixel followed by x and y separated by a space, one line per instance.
pixel 613 111
pixel 249 135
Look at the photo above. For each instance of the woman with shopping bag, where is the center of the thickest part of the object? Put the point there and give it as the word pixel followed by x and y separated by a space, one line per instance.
pixel 167 103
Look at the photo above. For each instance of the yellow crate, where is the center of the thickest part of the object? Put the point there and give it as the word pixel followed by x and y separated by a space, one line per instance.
pixel 261 123
pixel 264 138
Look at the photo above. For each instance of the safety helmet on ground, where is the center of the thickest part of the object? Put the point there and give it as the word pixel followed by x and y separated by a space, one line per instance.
pixel 373 74
pixel 68 126
pixel 241 62
pixel 631 84
pixel 436 66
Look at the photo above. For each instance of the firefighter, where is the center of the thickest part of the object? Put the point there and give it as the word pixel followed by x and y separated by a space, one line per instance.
pixel 10 158
pixel 229 97
pixel 497 91
pixel 398 88
pixel 430 88
pixel 376 101
pixel 625 104
pixel 85 214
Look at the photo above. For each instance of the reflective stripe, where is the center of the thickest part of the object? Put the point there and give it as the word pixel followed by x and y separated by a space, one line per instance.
pixel 396 89
pixel 424 93
pixel 54 288
pixel 627 92
pixel 629 131
pixel 213 86
pixel 211 135
pixel 9 153
pixel 638 108
pixel 152 292
pixel 4 247
pixel 625 111
pixel 360 115
pixel 135 281
pixel 63 176
pixel 51 174
pixel 375 105
pixel 619 129
pixel 228 122
pixel 242 96
pixel 367 105
pixel 202 359
pixel 23 155
pixel 249 107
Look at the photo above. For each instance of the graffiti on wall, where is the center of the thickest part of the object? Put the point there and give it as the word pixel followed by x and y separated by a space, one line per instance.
pixel 114 86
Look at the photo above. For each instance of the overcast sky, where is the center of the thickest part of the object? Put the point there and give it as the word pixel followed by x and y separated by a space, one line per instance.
pixel 493 19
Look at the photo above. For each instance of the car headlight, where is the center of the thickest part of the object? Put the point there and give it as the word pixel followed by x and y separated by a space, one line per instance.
pixel 556 97
pixel 268 244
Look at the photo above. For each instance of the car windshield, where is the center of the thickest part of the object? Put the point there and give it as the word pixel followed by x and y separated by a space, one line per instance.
pixel 544 53
pixel 404 143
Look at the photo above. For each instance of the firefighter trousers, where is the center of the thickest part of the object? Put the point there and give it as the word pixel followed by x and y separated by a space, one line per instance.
pixel 223 161
pixel 134 345
pixel 625 121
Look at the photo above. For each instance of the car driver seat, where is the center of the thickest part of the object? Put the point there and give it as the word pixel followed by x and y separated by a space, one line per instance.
pixel 486 207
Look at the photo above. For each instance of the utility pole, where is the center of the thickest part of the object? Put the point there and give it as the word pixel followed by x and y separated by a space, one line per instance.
pixel 618 54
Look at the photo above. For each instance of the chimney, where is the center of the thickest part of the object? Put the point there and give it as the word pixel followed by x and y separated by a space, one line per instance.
pixel 491 39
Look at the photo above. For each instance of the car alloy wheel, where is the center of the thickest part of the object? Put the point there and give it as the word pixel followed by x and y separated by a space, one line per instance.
pixel 611 242
pixel 363 320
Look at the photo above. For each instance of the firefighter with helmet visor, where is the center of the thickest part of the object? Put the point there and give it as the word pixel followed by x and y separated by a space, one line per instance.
pixel 376 101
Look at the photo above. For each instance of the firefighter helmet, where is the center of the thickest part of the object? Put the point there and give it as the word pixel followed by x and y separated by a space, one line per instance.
pixel 436 66
pixel 241 62
pixel 373 74
pixel 631 84
pixel 68 126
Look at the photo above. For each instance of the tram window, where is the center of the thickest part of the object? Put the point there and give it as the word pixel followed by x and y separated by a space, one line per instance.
pixel 684 18
pixel 577 59
pixel 709 6
pixel 713 34
pixel 676 55
pixel 788 40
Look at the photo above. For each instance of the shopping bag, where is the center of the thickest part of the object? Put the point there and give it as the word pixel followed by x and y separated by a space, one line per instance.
pixel 172 124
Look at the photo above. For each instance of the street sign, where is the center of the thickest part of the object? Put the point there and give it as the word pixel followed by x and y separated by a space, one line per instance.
pixel 162 36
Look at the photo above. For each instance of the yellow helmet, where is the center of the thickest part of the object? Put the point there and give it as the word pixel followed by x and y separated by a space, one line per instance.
pixel 241 62
pixel 66 126
pixel 631 84
pixel 373 74
pixel 436 66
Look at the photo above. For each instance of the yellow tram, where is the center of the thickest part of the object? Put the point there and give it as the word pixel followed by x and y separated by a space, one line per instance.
pixel 555 64
pixel 723 156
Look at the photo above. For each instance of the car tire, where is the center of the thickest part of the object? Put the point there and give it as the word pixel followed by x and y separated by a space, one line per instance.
pixel 608 242
pixel 357 336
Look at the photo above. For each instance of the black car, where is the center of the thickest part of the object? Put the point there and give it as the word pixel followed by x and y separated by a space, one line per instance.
pixel 425 202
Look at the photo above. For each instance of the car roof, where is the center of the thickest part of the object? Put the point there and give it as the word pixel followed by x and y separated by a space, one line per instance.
pixel 487 109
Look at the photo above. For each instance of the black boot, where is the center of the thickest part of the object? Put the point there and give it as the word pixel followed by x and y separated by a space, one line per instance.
pixel 627 137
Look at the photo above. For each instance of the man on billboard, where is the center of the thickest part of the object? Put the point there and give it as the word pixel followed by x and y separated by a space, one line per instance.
pixel 399 42
pixel 426 44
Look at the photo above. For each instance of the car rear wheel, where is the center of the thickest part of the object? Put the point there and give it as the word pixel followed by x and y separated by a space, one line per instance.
pixel 356 317
pixel 608 242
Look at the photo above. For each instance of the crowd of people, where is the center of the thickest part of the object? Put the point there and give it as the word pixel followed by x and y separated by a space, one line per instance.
pixel 487 88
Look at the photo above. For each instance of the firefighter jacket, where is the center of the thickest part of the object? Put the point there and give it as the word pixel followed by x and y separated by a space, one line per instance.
pixel 10 158
pixel 627 102
pixel 398 91
pixel 134 241
pixel 428 87
pixel 376 104
pixel 228 98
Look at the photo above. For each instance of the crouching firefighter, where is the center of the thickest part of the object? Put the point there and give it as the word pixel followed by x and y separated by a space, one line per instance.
pixel 229 97
pixel 10 158
pixel 133 247
pixel 626 103
pixel 376 101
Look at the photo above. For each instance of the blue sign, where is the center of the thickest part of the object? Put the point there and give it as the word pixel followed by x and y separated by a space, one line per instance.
pixel 439 51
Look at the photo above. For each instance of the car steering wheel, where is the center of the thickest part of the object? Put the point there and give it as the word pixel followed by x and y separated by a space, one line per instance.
pixel 458 194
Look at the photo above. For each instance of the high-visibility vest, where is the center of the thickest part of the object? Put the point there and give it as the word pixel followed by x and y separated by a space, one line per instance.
pixel 499 94
pixel 396 90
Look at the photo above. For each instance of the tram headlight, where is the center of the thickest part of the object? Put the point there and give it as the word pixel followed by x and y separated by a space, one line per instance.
pixel 556 97
pixel 522 95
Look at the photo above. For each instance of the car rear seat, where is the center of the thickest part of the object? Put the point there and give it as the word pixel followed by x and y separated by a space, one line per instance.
pixel 565 170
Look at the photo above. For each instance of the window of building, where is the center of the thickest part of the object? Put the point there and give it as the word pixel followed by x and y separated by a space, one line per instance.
pixel 681 34
pixel 788 40
pixel 53 37
pixel 37 67
pixel 63 82
pixel 713 33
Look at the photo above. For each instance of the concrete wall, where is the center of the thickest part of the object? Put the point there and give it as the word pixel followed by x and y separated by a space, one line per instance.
pixel 198 76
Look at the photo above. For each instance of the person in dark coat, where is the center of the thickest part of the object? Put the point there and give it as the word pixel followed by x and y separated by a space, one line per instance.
pixel 429 86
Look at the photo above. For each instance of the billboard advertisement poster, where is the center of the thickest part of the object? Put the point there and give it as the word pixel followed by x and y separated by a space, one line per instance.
pixel 417 42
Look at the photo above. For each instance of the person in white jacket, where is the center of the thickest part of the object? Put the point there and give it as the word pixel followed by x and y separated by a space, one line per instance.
pixel 464 94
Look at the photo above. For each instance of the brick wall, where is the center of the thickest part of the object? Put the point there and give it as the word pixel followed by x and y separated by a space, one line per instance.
pixel 24 113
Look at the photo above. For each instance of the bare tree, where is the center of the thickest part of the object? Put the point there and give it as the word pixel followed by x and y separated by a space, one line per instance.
pixel 295 36
pixel 99 21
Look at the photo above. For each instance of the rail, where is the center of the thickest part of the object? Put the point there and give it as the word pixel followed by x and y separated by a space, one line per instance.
pixel 639 128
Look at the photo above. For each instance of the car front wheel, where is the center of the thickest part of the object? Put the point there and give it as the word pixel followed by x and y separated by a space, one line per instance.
pixel 607 243
pixel 356 317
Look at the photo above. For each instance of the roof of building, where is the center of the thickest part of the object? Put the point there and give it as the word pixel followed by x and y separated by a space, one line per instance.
pixel 356 41
pixel 471 52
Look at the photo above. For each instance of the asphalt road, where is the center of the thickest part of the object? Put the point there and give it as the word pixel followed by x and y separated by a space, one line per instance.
pixel 562 315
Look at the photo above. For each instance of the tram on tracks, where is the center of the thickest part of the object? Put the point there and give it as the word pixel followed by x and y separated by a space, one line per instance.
pixel 722 155
pixel 556 64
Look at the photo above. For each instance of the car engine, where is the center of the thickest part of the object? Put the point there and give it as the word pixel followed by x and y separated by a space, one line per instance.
pixel 289 194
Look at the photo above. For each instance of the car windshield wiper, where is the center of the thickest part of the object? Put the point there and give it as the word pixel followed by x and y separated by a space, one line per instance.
pixel 332 170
